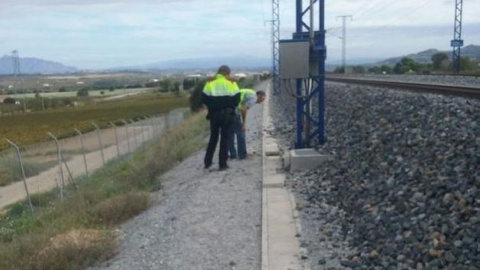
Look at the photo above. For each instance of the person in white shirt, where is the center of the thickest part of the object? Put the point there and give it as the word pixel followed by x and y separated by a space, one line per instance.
pixel 248 98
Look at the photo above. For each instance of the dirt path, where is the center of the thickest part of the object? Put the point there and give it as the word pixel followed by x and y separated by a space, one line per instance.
pixel 138 133
pixel 201 219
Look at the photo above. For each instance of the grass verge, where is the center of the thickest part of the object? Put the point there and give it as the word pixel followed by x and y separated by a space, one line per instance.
pixel 80 230
pixel 10 170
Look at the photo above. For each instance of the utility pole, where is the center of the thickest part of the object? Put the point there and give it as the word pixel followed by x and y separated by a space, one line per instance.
pixel 457 41
pixel 15 63
pixel 344 41
pixel 275 45
pixel 309 125
pixel 302 70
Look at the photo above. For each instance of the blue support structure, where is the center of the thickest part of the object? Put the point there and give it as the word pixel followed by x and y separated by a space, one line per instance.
pixel 311 126
pixel 457 41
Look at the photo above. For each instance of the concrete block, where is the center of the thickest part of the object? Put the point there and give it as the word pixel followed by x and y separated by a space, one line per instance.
pixel 272 149
pixel 282 247
pixel 305 159
pixel 273 164
pixel 286 159
pixel 274 181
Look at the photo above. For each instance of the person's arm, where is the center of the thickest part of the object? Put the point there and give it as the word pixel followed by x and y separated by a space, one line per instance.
pixel 206 95
pixel 243 113
pixel 249 102
pixel 236 96
pixel 205 99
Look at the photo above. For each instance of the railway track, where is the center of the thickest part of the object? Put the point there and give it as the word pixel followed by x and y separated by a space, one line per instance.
pixel 463 91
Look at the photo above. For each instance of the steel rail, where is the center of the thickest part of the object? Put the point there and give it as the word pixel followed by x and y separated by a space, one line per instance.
pixel 455 90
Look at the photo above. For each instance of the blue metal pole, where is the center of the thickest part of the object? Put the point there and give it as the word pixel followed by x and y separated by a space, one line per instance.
pixel 299 21
pixel 299 25
pixel 321 83
pixel 300 113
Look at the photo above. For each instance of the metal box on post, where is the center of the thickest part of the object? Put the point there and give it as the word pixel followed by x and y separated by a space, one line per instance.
pixel 294 59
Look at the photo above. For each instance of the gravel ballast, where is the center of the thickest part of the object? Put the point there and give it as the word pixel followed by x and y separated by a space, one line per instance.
pixel 402 189
pixel 470 81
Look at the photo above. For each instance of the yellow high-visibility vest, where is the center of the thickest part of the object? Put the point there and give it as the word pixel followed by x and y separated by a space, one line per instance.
pixel 243 94
pixel 221 86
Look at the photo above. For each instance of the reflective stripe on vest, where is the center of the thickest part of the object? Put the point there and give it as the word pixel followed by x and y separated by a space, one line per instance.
pixel 221 86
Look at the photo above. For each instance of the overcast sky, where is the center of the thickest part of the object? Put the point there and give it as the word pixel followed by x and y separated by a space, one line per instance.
pixel 95 34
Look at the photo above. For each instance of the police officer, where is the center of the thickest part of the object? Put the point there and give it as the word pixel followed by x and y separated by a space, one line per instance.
pixel 221 96
pixel 248 98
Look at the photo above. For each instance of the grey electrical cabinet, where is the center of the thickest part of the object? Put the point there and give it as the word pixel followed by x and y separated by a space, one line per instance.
pixel 294 59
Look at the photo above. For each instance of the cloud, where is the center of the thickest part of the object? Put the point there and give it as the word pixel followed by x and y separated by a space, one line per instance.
pixel 98 34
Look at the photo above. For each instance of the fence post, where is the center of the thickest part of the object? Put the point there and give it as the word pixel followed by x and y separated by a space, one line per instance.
pixel 151 127
pixel 19 157
pixel 143 132
pixel 116 138
pixel 135 137
pixel 161 124
pixel 126 131
pixel 155 127
pixel 167 121
pixel 59 154
pixel 83 151
pixel 158 120
pixel 72 181
pixel 99 142
pixel 155 124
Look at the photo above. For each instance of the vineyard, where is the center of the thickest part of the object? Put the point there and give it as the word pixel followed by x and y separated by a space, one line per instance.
pixel 28 128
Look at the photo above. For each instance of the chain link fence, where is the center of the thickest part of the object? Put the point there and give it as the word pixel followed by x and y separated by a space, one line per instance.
pixel 30 171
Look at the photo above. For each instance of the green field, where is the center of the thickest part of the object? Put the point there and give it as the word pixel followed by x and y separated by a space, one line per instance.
pixel 28 128
pixel 73 94
pixel 53 83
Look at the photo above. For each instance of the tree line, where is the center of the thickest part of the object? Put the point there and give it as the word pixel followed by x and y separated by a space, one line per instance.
pixel 440 63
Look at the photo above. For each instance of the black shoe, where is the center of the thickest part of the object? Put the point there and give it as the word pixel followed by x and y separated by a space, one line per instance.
pixel 207 166
pixel 232 157
pixel 223 168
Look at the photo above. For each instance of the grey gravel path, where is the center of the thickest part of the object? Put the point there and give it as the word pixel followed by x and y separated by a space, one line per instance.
pixel 200 219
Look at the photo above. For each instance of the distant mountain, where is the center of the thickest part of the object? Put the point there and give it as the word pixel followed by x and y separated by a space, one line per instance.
pixel 424 57
pixel 235 62
pixel 472 51
pixel 30 65
pixel 331 65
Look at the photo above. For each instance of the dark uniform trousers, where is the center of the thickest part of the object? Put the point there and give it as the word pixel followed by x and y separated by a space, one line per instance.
pixel 220 123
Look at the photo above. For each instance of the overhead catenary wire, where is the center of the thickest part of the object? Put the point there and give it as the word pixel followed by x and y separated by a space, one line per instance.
pixel 365 7
pixel 399 17
pixel 378 8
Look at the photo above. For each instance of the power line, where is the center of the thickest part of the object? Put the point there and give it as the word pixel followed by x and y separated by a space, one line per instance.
pixel 365 8
pixel 377 8
pixel 400 16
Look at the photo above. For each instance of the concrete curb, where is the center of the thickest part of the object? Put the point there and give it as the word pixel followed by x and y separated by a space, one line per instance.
pixel 280 226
